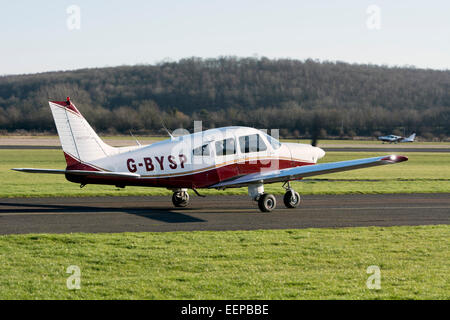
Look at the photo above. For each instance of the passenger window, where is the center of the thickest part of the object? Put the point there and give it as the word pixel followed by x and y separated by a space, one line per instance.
pixel 201 151
pixel 252 143
pixel 225 147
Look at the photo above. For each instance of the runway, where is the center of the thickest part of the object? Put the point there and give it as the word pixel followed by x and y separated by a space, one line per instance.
pixel 156 214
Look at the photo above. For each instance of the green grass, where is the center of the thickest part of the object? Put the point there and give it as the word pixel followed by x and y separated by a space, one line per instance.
pixel 281 264
pixel 424 172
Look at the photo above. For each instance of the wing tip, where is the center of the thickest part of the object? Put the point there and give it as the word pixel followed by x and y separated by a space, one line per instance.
pixel 395 158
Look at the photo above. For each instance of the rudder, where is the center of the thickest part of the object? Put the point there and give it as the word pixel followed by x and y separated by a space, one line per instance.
pixel 79 141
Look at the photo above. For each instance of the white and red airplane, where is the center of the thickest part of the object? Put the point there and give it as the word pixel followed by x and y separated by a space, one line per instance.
pixel 216 158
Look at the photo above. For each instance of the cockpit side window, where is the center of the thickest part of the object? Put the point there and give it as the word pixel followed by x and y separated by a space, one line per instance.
pixel 226 147
pixel 252 143
pixel 202 151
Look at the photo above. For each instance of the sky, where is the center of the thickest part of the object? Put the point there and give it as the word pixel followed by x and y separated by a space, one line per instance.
pixel 40 36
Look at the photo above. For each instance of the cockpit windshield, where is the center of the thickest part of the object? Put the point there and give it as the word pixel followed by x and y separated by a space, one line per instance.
pixel 273 142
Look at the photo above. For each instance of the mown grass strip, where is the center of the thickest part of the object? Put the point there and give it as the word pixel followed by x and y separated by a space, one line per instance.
pixel 270 264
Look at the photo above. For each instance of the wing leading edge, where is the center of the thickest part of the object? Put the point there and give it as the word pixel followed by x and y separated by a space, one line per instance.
pixel 307 171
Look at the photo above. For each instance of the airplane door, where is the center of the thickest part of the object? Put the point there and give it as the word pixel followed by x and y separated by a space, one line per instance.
pixel 203 162
pixel 225 158
pixel 255 155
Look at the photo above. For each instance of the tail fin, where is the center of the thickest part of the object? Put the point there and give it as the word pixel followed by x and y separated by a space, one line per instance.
pixel 412 136
pixel 79 141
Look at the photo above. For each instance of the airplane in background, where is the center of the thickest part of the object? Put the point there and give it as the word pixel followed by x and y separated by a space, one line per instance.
pixel 397 139
pixel 220 158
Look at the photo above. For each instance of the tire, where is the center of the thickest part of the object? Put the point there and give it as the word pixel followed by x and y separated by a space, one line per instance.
pixel 291 199
pixel 267 202
pixel 180 199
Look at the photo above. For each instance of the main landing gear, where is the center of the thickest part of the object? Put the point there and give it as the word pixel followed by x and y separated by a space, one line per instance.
pixel 180 198
pixel 267 201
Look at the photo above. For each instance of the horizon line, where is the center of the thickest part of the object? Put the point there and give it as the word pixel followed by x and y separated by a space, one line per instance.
pixel 170 60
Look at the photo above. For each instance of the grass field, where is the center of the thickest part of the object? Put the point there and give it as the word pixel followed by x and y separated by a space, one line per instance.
pixel 424 172
pixel 282 264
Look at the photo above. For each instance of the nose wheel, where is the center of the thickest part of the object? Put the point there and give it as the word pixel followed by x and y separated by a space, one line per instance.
pixel 291 199
pixel 180 199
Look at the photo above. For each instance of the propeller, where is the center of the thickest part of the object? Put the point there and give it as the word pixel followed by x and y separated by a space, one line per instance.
pixel 315 130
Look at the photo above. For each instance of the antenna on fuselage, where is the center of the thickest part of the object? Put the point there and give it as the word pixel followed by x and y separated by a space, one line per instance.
pixel 137 142
pixel 167 130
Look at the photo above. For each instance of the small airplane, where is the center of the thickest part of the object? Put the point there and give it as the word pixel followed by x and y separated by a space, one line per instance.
pixel 219 158
pixel 397 139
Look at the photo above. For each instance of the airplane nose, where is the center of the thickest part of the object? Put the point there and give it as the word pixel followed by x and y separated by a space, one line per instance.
pixel 319 152
pixel 304 151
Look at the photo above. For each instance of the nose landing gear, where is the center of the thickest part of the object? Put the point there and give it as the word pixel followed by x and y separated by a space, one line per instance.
pixel 291 198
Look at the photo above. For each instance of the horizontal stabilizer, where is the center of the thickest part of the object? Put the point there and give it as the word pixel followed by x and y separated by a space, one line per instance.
pixel 80 172
pixel 309 170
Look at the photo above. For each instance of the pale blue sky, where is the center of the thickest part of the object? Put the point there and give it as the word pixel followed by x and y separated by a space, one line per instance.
pixel 34 36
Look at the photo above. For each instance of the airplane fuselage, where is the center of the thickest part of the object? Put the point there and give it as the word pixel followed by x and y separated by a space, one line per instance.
pixel 198 160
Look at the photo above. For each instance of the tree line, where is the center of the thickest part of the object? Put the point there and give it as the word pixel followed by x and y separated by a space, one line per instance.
pixel 349 99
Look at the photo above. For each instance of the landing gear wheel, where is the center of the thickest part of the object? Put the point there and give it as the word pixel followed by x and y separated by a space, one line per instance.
pixel 291 199
pixel 180 199
pixel 267 202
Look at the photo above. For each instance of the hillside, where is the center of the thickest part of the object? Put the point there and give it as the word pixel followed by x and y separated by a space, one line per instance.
pixel 350 99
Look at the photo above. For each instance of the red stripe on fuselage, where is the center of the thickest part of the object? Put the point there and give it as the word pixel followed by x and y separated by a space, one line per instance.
pixel 196 180
pixel 75 164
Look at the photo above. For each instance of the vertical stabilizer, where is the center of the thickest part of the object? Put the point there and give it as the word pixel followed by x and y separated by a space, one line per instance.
pixel 79 141
pixel 412 136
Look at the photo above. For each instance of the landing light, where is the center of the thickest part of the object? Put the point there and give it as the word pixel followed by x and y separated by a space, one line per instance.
pixel 393 158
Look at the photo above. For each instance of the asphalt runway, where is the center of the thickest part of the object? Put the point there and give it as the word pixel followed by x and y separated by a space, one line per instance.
pixel 129 214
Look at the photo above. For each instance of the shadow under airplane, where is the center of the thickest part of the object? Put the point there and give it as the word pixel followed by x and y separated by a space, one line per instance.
pixel 161 214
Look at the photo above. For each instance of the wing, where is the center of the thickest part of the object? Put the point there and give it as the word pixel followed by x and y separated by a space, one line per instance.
pixel 307 171
pixel 79 172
